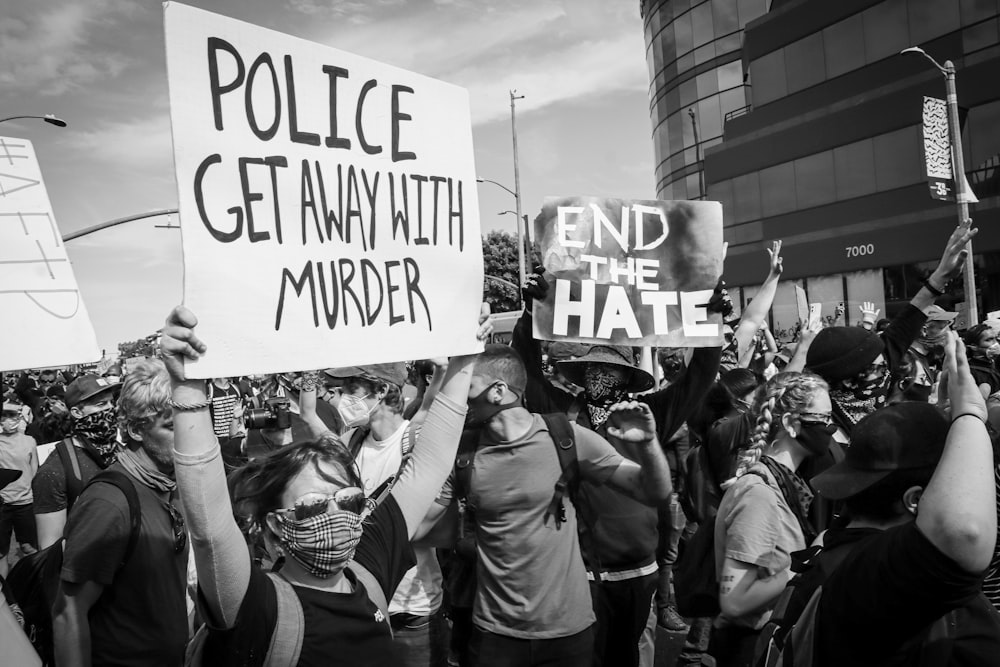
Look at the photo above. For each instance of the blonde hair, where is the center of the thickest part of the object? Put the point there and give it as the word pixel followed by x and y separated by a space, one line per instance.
pixel 784 393
pixel 145 395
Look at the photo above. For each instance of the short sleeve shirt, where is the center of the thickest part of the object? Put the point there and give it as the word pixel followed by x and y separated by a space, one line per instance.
pixel 49 485
pixel 141 617
pixel 17 452
pixel 756 526
pixel 883 605
pixel 339 628
pixel 532 580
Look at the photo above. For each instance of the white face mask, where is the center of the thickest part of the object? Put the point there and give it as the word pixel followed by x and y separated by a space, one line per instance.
pixel 353 410
pixel 9 425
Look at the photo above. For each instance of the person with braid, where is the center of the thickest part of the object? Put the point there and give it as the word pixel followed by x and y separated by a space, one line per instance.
pixel 763 516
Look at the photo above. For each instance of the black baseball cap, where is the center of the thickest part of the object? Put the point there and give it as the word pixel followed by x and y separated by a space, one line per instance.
pixel 905 436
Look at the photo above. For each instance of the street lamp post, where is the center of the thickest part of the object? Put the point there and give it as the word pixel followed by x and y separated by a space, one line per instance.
pixel 48 118
pixel 958 172
pixel 517 189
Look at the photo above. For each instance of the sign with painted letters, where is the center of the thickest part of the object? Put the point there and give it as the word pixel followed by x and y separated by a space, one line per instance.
pixel 626 272
pixel 328 202
pixel 45 321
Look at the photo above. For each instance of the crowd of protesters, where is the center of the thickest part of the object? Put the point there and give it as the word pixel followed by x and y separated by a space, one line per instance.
pixel 830 503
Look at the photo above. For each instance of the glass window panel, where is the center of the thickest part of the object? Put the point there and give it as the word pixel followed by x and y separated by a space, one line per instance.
pixel 724 17
pixel 814 180
pixel 701 23
pixel 805 62
pixel 689 92
pixel 704 53
pixel 746 197
pixel 693 186
pixel 729 43
pixel 828 291
pixel 983 135
pixel 676 131
pixel 683 34
pixel 854 169
pixel 722 192
pixel 749 10
pixel 898 158
pixel 777 189
pixel 844 46
pixel 707 84
pixel 932 18
pixel 767 75
pixel 785 311
pixel 680 190
pixel 685 62
pixel 673 99
pixel 730 75
pixel 667 46
pixel 651 60
pixel 980 36
pixel 732 100
pixel 884 35
pixel 677 161
pixel 976 10
pixel 748 232
pixel 709 118
pixel 864 286
pixel 708 143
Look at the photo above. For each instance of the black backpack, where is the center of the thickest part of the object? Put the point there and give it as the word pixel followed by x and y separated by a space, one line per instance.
pixel 34 580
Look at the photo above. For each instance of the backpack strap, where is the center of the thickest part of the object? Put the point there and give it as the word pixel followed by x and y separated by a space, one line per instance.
pixel 355 439
pixel 372 587
pixel 125 485
pixel 383 490
pixel 561 432
pixel 289 628
pixel 71 468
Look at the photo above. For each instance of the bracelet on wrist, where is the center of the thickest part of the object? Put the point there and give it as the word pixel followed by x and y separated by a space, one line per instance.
pixel 933 290
pixel 190 407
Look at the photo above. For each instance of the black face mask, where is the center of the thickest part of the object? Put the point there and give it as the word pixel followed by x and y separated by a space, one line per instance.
pixel 481 410
pixel 816 437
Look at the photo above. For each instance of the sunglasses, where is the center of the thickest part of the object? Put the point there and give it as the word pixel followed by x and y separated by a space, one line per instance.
pixel 350 499
pixel 824 418
pixel 177 523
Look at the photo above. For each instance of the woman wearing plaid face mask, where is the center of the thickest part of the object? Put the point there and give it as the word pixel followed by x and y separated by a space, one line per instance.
pixel 306 503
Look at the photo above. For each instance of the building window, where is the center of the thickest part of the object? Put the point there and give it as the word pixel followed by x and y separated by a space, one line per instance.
pixel 844 46
pixel 777 188
pixel 814 180
pixel 854 169
pixel 768 76
pixel 898 158
pixel 805 64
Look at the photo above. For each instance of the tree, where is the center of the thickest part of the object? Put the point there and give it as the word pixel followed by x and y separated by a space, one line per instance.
pixel 500 261
pixel 143 347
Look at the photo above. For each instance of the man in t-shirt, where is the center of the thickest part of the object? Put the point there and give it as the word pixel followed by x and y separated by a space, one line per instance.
pixel 114 607
pixel 91 447
pixel 533 601
pixel 17 452
pixel 921 497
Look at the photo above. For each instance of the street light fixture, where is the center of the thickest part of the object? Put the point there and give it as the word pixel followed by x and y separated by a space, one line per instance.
pixel 958 172
pixel 51 119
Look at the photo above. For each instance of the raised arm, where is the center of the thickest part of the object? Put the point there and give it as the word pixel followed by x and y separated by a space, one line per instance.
pixel 957 511
pixel 220 552
pixel 798 361
pixel 307 406
pixel 648 481
pixel 952 260
pixel 757 309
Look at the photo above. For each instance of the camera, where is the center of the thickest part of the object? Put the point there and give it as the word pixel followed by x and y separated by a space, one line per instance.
pixel 274 415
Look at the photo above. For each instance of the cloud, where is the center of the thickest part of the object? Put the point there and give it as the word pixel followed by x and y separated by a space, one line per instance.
pixel 50 51
pixel 136 143
pixel 357 12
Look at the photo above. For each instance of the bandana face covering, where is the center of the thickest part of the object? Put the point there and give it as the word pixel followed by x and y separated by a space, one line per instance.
pixel 98 431
pixel 604 389
pixel 321 544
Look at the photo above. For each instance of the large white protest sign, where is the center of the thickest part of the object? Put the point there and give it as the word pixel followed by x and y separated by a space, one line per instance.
pixel 45 322
pixel 628 272
pixel 328 202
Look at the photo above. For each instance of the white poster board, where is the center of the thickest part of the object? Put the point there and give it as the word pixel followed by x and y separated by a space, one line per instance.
pixel 45 322
pixel 328 202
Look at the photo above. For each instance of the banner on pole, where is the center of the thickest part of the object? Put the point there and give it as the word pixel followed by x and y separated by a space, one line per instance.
pixel 45 319
pixel 328 202
pixel 938 156
pixel 625 272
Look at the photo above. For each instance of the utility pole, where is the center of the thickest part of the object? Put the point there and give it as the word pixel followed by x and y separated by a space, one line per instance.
pixel 697 156
pixel 517 189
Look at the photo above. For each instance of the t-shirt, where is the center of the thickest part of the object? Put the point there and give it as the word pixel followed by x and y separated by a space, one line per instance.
pixel 756 526
pixel 223 407
pixel 340 628
pixel 532 580
pixel 880 606
pixel 49 485
pixel 141 617
pixel 17 452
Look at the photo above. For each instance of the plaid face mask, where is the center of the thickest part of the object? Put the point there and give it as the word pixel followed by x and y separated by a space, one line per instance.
pixel 323 543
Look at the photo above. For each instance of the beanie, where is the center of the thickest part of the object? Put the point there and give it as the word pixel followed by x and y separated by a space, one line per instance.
pixel 839 353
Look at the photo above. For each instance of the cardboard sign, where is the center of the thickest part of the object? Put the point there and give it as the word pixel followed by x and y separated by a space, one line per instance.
pixel 45 320
pixel 624 272
pixel 328 202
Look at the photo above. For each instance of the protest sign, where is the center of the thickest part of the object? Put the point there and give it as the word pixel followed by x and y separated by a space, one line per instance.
pixel 328 202
pixel 45 320
pixel 625 272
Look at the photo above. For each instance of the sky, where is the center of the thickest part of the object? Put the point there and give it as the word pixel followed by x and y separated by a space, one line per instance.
pixel 583 125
